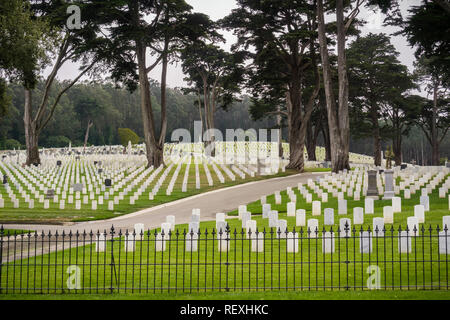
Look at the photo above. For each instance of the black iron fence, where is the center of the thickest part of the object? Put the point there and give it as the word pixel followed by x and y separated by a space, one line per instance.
pixel 226 260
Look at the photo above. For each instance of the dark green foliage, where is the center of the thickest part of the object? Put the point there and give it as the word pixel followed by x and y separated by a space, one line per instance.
pixel 5 99
pixel 120 109
pixel 427 28
pixel 125 135
pixel 11 144
pixel 57 142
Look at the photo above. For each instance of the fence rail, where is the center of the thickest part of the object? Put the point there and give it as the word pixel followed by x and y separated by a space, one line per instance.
pixel 226 260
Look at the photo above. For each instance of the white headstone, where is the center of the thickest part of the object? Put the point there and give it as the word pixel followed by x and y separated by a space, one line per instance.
pixel 413 226
pixel 257 241
pixel 407 194
pixel 328 242
pixel 194 227
pixel 446 222
pixel 444 242
pixel 130 243
pixel 292 242
pixel 368 206
pixel 277 199
pixel 313 226
pixel 263 200
pixel 242 209
pixel 300 218
pixel 378 227
pixel 160 243
pixel 223 245
pixel 396 204
pixel 273 218
pixel 358 215
pixel 281 228
pixel 419 213
pixel 265 210
pixel 316 208
pixel 250 227
pixel 192 242
pixel 404 242
pixel 291 209
pixel 328 217
pixel 365 242
pixel 345 227
pixel 244 218
pixel 342 206
pixel 100 243
pixel 139 230
pixel 388 215
pixel 165 229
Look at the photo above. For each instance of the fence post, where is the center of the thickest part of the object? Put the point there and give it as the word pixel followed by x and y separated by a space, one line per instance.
pixel 2 231
pixel 112 264
pixel 227 230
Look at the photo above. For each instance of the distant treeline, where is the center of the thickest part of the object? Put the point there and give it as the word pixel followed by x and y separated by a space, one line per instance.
pixel 111 108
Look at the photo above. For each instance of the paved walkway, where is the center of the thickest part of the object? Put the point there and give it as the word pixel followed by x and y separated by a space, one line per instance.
pixel 222 200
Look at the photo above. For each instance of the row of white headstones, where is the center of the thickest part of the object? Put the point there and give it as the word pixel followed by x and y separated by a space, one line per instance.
pixel 76 179
pixel 336 185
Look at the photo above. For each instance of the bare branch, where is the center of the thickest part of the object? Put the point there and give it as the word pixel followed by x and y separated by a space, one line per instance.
pixel 39 126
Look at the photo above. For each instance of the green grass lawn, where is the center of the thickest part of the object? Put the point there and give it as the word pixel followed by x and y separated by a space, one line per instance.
pixel 177 271
pixel 11 232
pixel 267 295
pixel 54 215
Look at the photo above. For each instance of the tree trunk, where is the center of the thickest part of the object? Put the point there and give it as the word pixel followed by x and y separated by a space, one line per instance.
pixel 154 158
pixel 343 116
pixel 280 141
pixel 159 152
pixel 397 147
pixel 31 134
pixel 376 136
pixel 338 159
pixel 209 142
pixel 434 132
pixel 311 140
pixel 296 135
pixel 326 140
pixel 86 136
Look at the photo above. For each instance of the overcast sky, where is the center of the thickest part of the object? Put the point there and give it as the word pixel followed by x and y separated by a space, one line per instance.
pixel 218 9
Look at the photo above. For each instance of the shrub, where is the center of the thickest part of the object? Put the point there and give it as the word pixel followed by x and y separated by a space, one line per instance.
pixel 11 144
pixel 125 135
pixel 57 142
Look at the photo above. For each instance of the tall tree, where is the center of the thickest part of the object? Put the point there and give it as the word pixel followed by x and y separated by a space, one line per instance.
pixel 400 112
pixel 64 44
pixel 377 78
pixel 435 115
pixel 214 73
pixel 282 35
pixel 427 30
pixel 338 114
pixel 19 46
pixel 143 28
